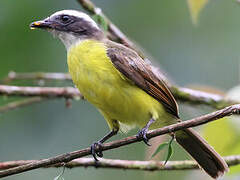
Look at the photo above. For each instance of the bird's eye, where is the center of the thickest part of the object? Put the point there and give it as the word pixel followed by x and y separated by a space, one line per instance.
pixel 65 18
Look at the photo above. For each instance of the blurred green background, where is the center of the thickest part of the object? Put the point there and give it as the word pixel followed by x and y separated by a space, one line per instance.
pixel 207 54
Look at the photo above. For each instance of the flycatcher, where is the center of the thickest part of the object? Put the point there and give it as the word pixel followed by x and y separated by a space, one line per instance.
pixel 123 87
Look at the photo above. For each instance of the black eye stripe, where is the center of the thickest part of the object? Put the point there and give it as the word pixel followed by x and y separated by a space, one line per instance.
pixel 74 24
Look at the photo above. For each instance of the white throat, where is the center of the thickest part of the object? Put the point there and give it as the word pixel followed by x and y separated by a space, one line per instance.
pixel 68 39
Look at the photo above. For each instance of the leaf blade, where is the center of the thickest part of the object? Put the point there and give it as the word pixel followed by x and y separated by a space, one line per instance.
pixel 160 147
pixel 101 21
pixel 170 151
pixel 195 7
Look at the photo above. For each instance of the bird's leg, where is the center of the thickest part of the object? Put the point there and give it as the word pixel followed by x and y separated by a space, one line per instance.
pixel 143 132
pixel 96 148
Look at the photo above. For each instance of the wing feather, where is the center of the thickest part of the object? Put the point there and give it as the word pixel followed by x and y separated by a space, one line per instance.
pixel 131 65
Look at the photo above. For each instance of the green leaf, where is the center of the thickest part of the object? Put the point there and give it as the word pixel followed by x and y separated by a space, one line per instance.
pixel 195 7
pixel 160 147
pixel 101 21
pixel 95 17
pixel 170 151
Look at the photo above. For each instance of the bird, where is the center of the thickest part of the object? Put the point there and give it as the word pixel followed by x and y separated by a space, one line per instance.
pixel 123 86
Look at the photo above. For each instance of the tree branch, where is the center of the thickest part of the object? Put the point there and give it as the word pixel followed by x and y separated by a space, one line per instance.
pixel 35 76
pixel 48 92
pixel 20 103
pixel 235 109
pixel 123 164
pixel 182 94
pixel 200 97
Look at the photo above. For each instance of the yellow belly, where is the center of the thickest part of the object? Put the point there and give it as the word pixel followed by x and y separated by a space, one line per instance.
pixel 106 88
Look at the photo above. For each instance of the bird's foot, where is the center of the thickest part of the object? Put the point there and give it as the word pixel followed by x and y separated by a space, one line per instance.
pixel 96 150
pixel 143 134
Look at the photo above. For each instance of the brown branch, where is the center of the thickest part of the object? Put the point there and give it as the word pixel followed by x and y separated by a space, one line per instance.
pixel 200 97
pixel 123 164
pixel 235 109
pixel 182 94
pixel 21 103
pixel 48 92
pixel 35 76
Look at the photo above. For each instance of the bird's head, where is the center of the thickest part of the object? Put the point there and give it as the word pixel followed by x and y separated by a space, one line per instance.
pixel 70 26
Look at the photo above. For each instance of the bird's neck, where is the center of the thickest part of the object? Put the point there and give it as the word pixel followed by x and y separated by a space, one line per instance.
pixel 70 40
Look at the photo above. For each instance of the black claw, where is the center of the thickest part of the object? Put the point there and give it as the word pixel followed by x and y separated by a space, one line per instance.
pixel 99 154
pixel 146 140
pixel 96 150
pixel 143 134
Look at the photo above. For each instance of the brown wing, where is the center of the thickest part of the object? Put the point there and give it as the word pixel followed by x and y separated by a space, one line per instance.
pixel 130 64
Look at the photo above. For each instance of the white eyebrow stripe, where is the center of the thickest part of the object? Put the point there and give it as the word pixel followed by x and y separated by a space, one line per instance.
pixel 76 14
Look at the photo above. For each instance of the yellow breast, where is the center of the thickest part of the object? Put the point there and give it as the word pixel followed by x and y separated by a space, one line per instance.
pixel 105 87
pixel 92 71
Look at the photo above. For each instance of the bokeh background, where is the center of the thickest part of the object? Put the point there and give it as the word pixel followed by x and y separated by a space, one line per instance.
pixel 207 54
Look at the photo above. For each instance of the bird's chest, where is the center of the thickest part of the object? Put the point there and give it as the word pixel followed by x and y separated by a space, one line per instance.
pixel 92 72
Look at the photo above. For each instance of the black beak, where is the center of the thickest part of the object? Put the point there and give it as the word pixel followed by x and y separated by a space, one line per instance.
pixel 44 24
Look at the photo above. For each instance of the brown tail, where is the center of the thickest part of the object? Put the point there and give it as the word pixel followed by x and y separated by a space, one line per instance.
pixel 202 152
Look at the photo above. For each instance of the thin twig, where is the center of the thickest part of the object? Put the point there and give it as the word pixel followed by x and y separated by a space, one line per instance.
pixel 235 109
pixel 20 103
pixel 12 75
pixel 200 97
pixel 123 164
pixel 182 94
pixel 48 92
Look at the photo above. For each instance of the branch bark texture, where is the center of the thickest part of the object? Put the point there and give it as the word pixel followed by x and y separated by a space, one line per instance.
pixel 67 157
pixel 49 92
pixel 21 103
pixel 123 164
pixel 181 94
pixel 200 97
pixel 12 75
